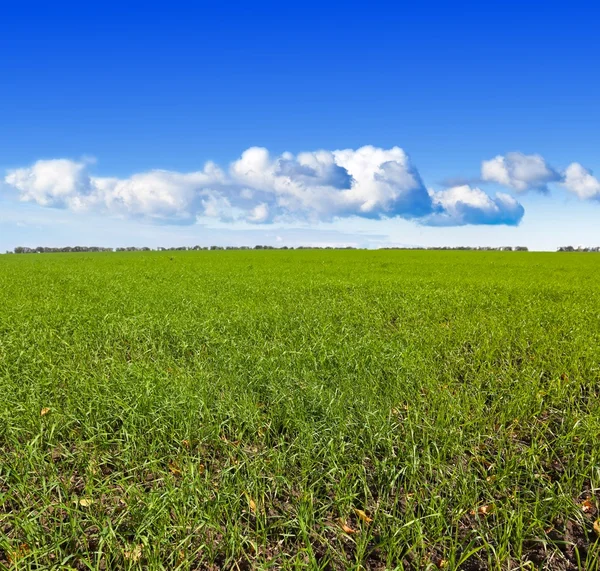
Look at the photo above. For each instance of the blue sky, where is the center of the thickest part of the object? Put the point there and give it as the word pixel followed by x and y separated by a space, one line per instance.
pixel 109 112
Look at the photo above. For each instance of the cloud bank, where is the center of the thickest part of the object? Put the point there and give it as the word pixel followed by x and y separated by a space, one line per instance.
pixel 464 204
pixel 519 172
pixel 259 188
pixel 531 172
pixel 582 182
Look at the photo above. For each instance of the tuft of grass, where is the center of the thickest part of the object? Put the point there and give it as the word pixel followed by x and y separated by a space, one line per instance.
pixel 300 409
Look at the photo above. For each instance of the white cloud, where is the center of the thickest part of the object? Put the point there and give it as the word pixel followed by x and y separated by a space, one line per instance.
pixel 531 172
pixel 368 182
pixel 259 214
pixel 581 181
pixel 385 180
pixel 215 205
pixel 57 182
pixel 155 194
pixel 519 172
pixel 461 205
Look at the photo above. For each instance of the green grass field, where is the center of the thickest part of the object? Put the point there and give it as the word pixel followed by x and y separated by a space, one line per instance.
pixel 300 410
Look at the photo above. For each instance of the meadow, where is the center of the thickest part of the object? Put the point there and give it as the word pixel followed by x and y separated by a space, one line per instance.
pixel 300 410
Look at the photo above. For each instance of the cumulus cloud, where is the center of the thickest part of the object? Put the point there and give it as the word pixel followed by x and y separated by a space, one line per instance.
pixel 531 172
pixel 259 188
pixel 369 182
pixel 519 172
pixel 259 214
pixel 580 181
pixel 162 195
pixel 461 205
pixel 57 182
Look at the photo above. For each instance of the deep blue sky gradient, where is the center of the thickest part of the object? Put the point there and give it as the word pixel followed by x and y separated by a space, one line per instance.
pixel 143 85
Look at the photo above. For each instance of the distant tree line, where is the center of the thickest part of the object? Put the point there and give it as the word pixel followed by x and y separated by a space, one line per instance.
pixel 48 250
pixel 578 249
pixel 465 248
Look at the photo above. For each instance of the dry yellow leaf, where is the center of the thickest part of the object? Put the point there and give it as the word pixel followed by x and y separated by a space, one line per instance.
pixel 398 409
pixel 251 504
pixel 44 411
pixel 363 516
pixel 180 557
pixel 85 502
pixel 93 466
pixel 21 551
pixel 346 528
pixel 587 506
pixel 174 468
pixel 483 510
pixel 597 527
pixel 134 554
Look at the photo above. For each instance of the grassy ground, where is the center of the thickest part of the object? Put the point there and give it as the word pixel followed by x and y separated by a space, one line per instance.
pixel 300 409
